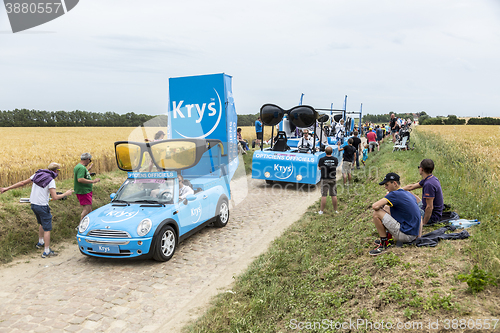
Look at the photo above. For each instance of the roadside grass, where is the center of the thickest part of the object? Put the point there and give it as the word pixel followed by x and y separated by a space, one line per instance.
pixel 319 273
pixel 19 228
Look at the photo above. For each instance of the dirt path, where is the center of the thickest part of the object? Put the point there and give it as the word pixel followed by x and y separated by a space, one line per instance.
pixel 75 293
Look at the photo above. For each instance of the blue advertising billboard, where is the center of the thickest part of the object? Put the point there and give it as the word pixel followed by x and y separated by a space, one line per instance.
pixel 203 107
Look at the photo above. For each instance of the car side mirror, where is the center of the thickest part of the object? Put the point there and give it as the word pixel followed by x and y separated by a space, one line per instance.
pixel 185 201
pixel 191 197
pixel 112 196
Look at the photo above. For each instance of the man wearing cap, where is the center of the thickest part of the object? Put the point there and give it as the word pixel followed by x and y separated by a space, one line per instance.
pixel 84 183
pixel 432 203
pixel 401 221
pixel 44 187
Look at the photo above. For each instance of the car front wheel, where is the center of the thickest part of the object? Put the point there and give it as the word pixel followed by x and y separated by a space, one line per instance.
pixel 223 217
pixel 165 244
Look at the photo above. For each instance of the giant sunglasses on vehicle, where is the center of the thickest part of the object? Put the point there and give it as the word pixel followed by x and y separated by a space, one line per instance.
pixel 300 116
pixel 174 154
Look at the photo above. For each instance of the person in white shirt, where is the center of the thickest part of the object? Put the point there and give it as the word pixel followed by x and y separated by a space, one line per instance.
pixel 305 141
pixel 44 187
pixel 339 131
pixel 184 190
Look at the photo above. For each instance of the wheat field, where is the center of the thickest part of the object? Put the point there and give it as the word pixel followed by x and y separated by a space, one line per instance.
pixel 27 149
pixel 479 141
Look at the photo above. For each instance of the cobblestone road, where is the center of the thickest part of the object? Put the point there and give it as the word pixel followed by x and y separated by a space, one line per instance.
pixel 74 293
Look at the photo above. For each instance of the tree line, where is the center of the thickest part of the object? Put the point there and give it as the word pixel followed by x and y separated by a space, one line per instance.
pixel 77 118
pixel 385 118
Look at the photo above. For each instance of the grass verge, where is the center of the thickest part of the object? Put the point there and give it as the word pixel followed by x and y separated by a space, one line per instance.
pixel 19 228
pixel 319 274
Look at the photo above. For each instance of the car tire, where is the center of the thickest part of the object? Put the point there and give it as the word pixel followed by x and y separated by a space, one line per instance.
pixel 269 182
pixel 165 244
pixel 222 213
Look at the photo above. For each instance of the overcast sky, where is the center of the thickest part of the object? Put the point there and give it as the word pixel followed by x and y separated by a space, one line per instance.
pixel 442 57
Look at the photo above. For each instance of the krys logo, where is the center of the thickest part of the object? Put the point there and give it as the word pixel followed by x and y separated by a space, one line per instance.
pixel 197 120
pixel 26 14
pixel 118 216
pixel 196 212
pixel 282 172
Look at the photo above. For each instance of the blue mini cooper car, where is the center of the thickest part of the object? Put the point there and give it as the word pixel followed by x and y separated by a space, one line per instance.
pixel 148 216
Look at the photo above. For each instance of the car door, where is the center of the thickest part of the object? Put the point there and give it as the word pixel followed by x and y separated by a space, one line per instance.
pixel 190 214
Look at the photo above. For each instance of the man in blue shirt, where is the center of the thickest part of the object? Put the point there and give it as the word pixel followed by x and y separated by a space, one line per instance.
pixel 401 221
pixel 432 203
pixel 258 131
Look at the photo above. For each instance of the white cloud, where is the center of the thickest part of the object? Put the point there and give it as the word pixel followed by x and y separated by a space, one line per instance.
pixel 117 55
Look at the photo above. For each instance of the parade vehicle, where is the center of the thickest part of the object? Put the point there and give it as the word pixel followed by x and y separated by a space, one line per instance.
pixel 148 216
pixel 286 160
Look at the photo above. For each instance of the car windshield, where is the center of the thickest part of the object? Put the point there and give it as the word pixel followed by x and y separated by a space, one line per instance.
pixel 146 191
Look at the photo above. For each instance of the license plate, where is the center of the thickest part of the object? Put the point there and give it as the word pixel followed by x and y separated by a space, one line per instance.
pixel 106 248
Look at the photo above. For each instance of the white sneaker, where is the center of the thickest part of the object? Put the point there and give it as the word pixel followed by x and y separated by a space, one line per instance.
pixel 320 212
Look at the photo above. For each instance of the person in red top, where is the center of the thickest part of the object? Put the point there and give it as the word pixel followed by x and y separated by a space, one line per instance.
pixel 372 141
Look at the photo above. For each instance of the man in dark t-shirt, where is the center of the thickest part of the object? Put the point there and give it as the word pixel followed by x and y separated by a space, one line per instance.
pixel 356 143
pixel 328 167
pixel 432 203
pixel 348 160
pixel 402 221
pixel 392 125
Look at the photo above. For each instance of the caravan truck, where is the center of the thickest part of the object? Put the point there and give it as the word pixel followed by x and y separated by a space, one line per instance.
pixel 147 217
pixel 284 161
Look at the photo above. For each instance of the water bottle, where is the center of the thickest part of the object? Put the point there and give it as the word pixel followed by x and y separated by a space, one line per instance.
pixel 463 223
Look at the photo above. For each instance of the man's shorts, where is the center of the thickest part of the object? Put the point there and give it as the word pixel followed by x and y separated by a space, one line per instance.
pixel 379 138
pixel 85 199
pixel 393 226
pixel 328 186
pixel 346 167
pixel 43 216
pixel 259 135
pixel 372 144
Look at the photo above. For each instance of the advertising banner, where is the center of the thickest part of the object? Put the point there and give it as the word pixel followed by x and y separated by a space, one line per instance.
pixel 203 107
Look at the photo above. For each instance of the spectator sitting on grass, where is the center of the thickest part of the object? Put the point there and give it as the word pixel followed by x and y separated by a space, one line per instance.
pixel 432 207
pixel 402 221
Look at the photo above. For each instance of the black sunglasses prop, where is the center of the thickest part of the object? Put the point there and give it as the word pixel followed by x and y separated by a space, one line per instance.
pixel 300 116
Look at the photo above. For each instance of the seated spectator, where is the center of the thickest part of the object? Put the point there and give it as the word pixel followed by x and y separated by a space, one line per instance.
pixel 243 143
pixel 402 221
pixel 432 203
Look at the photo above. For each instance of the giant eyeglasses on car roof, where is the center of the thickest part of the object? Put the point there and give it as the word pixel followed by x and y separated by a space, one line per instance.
pixel 300 116
pixel 173 154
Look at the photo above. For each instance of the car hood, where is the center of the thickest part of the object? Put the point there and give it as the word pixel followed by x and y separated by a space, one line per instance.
pixel 126 217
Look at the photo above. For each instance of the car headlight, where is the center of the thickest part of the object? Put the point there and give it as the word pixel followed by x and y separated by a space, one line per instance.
pixel 144 227
pixel 84 224
pixel 299 177
pixel 267 174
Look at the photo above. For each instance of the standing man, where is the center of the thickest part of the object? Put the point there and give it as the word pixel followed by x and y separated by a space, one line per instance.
pixel 258 131
pixel 356 143
pixel 371 137
pixel 84 183
pixel 432 203
pixel 44 187
pixel 392 125
pixel 402 221
pixel 348 160
pixel 328 167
